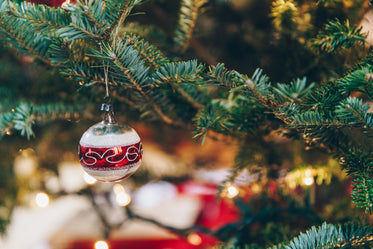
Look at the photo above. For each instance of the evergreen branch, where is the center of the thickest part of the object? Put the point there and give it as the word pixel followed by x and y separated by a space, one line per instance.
pixel 24 115
pixel 124 11
pixel 87 22
pixel 324 98
pixel 362 191
pixel 356 235
pixel 125 61
pixel 12 32
pixel 353 111
pixel 331 236
pixel 59 52
pixel 189 12
pixel 325 236
pixel 75 32
pixel 151 55
pixel 360 164
pixel 86 73
pixel 313 118
pixel 358 80
pixel 45 19
pixel 295 91
pixel 212 117
pixel 338 35
pixel 182 74
pixel 220 75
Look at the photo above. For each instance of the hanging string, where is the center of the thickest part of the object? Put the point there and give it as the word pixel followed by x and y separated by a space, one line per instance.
pixel 106 75
pixel 106 69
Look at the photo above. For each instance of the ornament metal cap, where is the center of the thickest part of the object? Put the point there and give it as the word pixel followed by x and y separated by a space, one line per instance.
pixel 108 113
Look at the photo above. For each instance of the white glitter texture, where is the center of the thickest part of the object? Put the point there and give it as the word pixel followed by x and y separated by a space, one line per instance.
pixel 112 173
pixel 90 139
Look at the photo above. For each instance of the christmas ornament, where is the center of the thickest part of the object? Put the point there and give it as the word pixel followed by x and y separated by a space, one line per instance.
pixel 109 151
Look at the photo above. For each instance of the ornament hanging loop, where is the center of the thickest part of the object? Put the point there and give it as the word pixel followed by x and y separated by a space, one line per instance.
pixel 107 108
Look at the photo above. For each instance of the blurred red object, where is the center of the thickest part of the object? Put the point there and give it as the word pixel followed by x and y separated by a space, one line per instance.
pixel 146 244
pixel 214 214
pixel 50 3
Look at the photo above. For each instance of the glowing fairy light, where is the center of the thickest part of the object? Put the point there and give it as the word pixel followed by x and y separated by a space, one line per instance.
pixel 308 180
pixel 255 188
pixel 232 192
pixel 194 239
pixel 118 188
pixel 123 199
pixel 101 245
pixel 42 200
pixel 89 179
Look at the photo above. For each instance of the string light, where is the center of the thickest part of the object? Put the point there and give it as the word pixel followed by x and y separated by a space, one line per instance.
pixel 89 179
pixel 232 192
pixel 42 200
pixel 118 188
pixel 101 245
pixel 122 198
pixel 194 239
pixel 308 180
pixel 255 188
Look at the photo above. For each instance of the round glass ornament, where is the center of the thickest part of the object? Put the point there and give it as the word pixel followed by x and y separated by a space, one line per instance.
pixel 109 151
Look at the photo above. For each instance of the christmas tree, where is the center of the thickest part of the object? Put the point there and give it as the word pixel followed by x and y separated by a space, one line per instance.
pixel 284 84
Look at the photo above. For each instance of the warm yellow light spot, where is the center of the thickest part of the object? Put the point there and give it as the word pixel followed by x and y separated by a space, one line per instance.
pixel 122 199
pixel 118 188
pixel 64 4
pixel 232 192
pixel 255 188
pixel 42 199
pixel 308 181
pixel 101 245
pixel 89 179
pixel 292 185
pixel 194 239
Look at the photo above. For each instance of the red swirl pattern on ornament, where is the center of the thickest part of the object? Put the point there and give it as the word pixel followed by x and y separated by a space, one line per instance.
pixel 106 158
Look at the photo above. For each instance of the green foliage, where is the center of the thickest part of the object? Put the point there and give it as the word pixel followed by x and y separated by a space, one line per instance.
pixel 294 91
pixel 360 164
pixel 358 80
pixel 331 236
pixel 325 236
pixel 220 75
pixel 32 43
pixel 213 117
pixel 362 191
pixel 354 112
pixel 189 12
pixel 337 35
pixel 151 55
pixel 24 115
pixel 126 66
